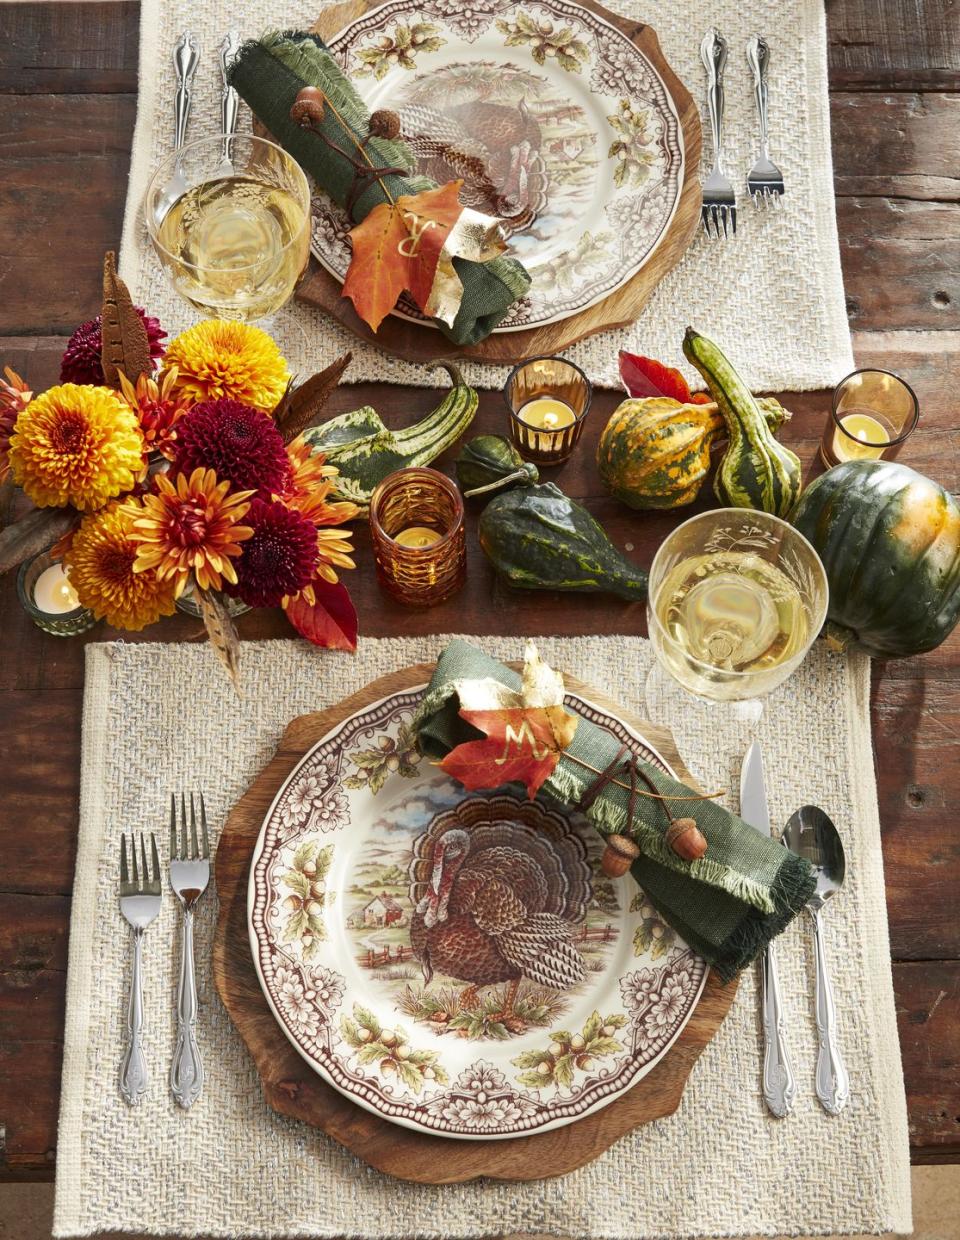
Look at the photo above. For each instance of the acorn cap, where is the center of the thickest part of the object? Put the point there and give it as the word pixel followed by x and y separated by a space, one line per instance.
pixel 618 856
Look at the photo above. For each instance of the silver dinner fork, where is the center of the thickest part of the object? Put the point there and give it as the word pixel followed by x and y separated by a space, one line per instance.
pixel 719 201
pixel 140 899
pixel 189 876
pixel 765 180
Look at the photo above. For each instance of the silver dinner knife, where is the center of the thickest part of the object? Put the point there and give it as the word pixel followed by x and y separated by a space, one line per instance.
pixel 779 1085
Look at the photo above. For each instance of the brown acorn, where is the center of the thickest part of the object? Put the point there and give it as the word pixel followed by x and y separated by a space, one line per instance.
pixel 618 856
pixel 308 107
pixel 686 839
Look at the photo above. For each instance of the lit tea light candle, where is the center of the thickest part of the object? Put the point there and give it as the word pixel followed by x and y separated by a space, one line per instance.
pixel 547 413
pixel 863 438
pixel 417 537
pixel 53 593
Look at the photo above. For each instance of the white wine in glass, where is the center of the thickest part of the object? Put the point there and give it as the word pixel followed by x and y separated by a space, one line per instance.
pixel 229 219
pixel 736 598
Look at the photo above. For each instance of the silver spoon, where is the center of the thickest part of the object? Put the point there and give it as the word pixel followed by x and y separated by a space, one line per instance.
pixel 811 834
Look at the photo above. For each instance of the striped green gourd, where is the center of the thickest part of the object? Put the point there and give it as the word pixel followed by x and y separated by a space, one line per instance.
pixel 365 451
pixel 756 471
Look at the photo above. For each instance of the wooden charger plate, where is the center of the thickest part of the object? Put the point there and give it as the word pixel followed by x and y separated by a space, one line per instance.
pixel 291 1087
pixel 416 343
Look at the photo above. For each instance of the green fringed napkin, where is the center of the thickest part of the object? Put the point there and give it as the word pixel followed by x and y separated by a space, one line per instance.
pixel 270 72
pixel 727 905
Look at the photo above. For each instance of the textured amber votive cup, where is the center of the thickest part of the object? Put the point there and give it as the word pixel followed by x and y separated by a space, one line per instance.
pixel 414 498
pixel 547 376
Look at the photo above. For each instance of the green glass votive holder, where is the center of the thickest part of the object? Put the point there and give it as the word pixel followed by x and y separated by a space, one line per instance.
pixel 49 600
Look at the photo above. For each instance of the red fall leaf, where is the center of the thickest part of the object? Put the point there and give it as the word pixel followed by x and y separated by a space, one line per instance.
pixel 397 248
pixel 330 621
pixel 521 745
pixel 643 376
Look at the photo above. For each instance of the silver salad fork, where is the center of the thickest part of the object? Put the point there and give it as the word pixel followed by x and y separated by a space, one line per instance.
pixel 765 180
pixel 719 201
pixel 189 877
pixel 140 900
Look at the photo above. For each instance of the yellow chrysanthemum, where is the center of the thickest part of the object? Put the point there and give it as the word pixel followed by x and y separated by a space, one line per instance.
pixel 77 445
pixel 219 358
pixel 100 563
pixel 190 525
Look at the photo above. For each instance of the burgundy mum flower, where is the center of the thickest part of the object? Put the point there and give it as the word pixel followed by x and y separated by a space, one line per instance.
pixel 279 559
pixel 239 443
pixel 81 358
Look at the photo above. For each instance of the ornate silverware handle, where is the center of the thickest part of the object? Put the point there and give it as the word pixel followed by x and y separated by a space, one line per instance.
pixel 185 59
pixel 186 1071
pixel 758 57
pixel 779 1085
pixel 229 99
pixel 713 53
pixel 133 1069
pixel 833 1083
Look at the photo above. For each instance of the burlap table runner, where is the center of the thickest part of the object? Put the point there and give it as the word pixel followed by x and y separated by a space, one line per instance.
pixel 773 297
pixel 158 717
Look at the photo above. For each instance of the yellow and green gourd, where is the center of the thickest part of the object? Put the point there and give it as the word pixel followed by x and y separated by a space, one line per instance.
pixel 655 451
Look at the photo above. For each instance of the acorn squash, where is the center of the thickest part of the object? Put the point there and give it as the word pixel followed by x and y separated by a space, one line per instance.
pixel 889 539
pixel 655 451
pixel 756 471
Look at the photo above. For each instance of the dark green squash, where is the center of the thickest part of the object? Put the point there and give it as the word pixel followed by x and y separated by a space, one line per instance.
pixel 539 539
pixel 889 539
pixel 756 471
pixel 489 463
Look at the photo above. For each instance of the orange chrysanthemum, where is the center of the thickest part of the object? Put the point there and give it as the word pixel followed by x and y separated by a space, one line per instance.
pixel 14 398
pixel 219 358
pixel 76 445
pixel 311 481
pixel 158 407
pixel 192 525
pixel 100 563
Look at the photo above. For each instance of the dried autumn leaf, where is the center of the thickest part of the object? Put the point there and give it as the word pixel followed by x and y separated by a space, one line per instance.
pixel 222 632
pixel 330 621
pixel 525 732
pixel 303 406
pixel 397 248
pixel 33 533
pixel 643 376
pixel 124 342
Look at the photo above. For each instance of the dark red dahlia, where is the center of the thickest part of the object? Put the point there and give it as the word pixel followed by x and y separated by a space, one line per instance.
pixel 279 559
pixel 239 443
pixel 81 358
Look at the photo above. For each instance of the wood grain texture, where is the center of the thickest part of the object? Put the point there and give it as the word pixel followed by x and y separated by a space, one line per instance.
pixel 415 343
pixel 291 1087
pixel 893 67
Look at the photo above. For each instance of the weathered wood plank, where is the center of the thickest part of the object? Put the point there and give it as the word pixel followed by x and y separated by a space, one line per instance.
pixel 77 48
pixel 903 145
pixel 894 45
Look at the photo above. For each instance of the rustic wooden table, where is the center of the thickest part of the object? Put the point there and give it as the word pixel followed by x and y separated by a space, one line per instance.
pixel 68 81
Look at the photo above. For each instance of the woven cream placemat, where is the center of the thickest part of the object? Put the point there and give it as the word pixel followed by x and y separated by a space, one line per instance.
pixel 773 297
pixel 158 717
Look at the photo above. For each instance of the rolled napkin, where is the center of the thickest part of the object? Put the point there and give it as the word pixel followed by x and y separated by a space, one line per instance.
pixel 727 905
pixel 270 72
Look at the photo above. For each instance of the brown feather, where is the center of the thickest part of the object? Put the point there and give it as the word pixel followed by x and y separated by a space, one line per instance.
pixel 124 343
pixel 303 408
pixel 223 634
pixel 34 533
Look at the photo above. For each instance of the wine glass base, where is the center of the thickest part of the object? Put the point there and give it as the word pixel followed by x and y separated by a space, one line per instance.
pixel 721 729
pixel 286 328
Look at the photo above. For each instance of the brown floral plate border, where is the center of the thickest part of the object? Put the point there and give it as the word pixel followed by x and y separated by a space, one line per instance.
pixel 332 914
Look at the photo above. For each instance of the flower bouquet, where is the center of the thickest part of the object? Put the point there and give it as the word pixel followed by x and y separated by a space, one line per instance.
pixel 159 469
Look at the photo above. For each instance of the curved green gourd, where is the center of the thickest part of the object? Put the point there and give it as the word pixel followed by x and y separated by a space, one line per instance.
pixel 889 539
pixel 539 539
pixel 489 463
pixel 756 471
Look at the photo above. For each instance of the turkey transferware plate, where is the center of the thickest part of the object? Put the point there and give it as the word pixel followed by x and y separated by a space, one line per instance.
pixel 457 962
pixel 554 120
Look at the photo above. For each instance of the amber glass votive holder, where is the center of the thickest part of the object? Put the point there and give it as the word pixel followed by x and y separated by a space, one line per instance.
pixel 553 378
pixel 874 413
pixel 418 503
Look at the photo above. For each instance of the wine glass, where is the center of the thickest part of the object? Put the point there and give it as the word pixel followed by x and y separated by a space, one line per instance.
pixel 229 218
pixel 735 600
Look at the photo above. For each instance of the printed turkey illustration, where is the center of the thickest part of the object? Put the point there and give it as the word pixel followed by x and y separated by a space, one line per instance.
pixel 494 148
pixel 500 888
